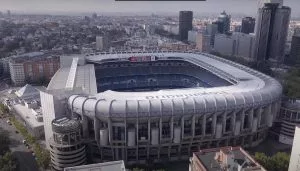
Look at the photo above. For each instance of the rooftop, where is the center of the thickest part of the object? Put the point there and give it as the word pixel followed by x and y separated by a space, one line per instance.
pixel 219 158
pixel 27 91
pixel 107 166
pixel 247 81
pixel 65 125
pixel 28 116
pixel 33 56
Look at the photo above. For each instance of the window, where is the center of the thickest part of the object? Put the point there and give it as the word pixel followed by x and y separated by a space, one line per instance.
pixel 166 130
pixel 51 70
pixel 118 133
pixel 143 131
pixel 41 69
pixel 188 126
pixel 198 126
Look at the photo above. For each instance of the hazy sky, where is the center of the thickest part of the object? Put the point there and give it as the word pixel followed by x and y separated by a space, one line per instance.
pixel 74 6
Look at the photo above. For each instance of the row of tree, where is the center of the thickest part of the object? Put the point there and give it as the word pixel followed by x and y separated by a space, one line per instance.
pixel 7 161
pixel 42 155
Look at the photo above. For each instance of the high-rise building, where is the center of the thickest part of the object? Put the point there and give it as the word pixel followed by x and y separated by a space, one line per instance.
pixel 185 24
pixel 102 43
pixel 237 28
pixel 248 25
pixel 261 3
pixel 295 155
pixel 223 22
pixel 237 44
pixel 192 36
pixel 212 30
pixel 203 42
pixel 8 13
pixel 295 49
pixel 271 31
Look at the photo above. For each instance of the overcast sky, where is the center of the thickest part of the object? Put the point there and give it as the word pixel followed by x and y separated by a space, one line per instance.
pixel 99 6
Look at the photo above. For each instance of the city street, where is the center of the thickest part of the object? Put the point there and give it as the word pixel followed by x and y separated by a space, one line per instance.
pixel 19 150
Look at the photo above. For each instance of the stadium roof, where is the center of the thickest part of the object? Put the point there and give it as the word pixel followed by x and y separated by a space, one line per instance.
pixel 27 91
pixel 250 88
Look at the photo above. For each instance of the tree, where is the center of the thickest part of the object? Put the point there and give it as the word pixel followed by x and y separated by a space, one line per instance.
pixel 291 85
pixel 277 162
pixel 8 162
pixel 4 142
pixel 4 109
pixel 281 161
pixel 261 158
pixel 42 155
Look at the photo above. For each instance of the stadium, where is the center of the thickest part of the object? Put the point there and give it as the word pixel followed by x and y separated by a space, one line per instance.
pixel 162 106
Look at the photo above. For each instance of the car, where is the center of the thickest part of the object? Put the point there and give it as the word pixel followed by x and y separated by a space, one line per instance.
pixel 24 141
pixel 16 132
pixel 8 121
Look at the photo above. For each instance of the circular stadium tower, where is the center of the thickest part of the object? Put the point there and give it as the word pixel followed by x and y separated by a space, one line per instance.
pixel 289 118
pixel 141 107
pixel 66 145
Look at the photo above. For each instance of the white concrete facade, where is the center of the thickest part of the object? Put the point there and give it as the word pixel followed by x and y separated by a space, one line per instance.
pixel 295 155
pixel 203 42
pixel 170 124
pixel 99 43
pixel 237 44
pixel 192 36
pixel 17 74
pixel 225 44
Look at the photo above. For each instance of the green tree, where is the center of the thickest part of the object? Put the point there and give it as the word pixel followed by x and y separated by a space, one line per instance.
pixel 137 169
pixel 262 159
pixel 8 162
pixel 4 142
pixel 4 109
pixel 291 85
pixel 42 155
pixel 277 162
pixel 281 161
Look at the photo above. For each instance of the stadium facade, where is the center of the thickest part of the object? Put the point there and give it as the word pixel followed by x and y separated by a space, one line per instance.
pixel 153 107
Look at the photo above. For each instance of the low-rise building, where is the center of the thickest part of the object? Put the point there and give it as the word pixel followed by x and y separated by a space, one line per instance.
pixel 106 166
pixel 32 67
pixel 225 158
pixel 27 106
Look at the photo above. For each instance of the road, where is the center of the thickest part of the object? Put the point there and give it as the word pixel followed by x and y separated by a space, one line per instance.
pixel 19 150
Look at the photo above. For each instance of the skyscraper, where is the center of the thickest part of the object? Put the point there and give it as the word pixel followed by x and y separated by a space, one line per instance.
pixel 223 22
pixel 212 30
pixel 271 31
pixel 295 49
pixel 261 3
pixel 248 25
pixel 185 24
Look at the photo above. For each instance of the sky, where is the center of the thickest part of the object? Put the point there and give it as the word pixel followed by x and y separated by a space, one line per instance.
pixel 105 6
